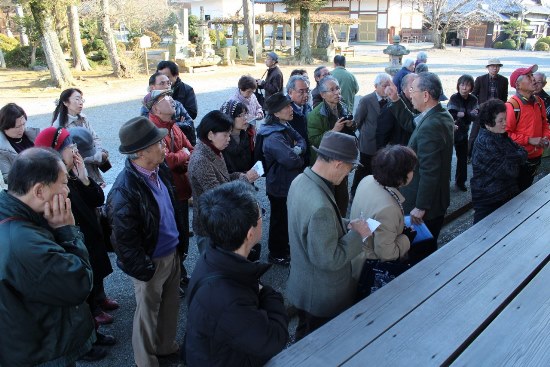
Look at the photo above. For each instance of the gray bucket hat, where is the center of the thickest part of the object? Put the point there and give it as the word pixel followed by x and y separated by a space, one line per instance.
pixel 138 133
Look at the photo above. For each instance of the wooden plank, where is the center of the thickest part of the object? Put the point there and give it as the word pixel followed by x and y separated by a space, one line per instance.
pixel 456 314
pixel 348 333
pixel 520 335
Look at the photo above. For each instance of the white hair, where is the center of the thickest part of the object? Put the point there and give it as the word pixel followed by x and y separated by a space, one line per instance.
pixel 422 56
pixel 381 78
pixel 408 62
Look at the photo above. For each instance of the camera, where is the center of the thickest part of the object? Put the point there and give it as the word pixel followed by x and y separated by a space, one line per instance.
pixel 348 117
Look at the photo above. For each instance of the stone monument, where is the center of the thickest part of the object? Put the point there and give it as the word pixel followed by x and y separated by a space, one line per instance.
pixel 178 47
pixel 396 52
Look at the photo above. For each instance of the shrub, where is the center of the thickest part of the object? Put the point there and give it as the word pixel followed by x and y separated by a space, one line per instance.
pixel 8 43
pixel 221 35
pixel 121 47
pixel 542 46
pixel 134 44
pixel 497 45
pixel 20 57
pixel 544 39
pixel 509 44
pixel 155 39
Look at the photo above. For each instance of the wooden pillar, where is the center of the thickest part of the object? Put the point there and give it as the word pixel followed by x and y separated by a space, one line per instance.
pixel 285 27
pixel 348 31
pixel 292 36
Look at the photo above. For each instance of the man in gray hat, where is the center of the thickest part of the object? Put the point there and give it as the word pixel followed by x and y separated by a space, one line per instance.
pixel 489 86
pixel 273 82
pixel 147 237
pixel 320 284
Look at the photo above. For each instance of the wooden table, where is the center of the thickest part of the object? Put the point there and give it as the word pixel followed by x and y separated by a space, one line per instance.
pixel 481 300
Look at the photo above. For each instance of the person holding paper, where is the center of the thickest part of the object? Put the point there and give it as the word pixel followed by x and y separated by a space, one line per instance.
pixel 239 154
pixel 320 284
pixel 385 253
pixel 207 168
pixel 284 149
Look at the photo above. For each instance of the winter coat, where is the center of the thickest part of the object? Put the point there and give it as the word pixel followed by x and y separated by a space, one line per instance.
pixel 8 154
pixel 469 106
pixel 481 88
pixel 251 103
pixel 388 242
pixel 366 116
pixel 185 94
pixel 496 162
pixel 432 141
pixel 282 163
pixel 273 81
pixel 321 249
pixel 45 278
pixel 321 120
pixel 391 129
pixel 398 78
pixel 182 117
pixel 239 156
pixel 84 203
pixel 206 171
pixel 176 158
pixel 134 216
pixel 348 85
pixel 231 322
pixel 299 123
pixel 532 124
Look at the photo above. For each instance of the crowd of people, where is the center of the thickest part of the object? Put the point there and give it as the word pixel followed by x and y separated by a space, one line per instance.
pixel 57 225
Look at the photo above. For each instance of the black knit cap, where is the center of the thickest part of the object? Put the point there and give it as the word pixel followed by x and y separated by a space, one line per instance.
pixel 276 102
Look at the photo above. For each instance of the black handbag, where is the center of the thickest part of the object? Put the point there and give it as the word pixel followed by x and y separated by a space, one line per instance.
pixel 260 97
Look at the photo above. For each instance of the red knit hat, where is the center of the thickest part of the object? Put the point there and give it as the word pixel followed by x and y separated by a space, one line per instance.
pixel 53 137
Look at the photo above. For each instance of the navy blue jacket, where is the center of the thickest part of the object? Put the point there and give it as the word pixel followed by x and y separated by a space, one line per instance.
pixel 282 163
pixel 230 321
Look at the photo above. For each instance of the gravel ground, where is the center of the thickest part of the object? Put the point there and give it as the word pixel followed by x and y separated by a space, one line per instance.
pixel 109 105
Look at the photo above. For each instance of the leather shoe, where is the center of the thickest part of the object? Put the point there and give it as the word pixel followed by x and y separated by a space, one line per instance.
pixel 95 354
pixel 103 318
pixel 104 340
pixel 109 304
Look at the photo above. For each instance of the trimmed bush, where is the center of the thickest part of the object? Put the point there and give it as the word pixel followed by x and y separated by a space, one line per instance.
pixel 542 46
pixel 121 47
pixel 497 45
pixel 20 57
pixel 8 43
pixel 155 39
pixel 509 44
pixel 544 39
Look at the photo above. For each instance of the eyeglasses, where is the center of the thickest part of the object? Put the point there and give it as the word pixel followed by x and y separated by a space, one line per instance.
pixel 333 90
pixel 167 98
pixel 73 147
pixel 166 82
pixel 302 91
pixel 79 100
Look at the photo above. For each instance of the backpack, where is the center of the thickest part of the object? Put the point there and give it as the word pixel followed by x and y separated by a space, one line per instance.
pixel 517 108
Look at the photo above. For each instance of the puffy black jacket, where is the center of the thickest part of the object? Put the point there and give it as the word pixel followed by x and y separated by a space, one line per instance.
pixel 134 217
pixel 186 95
pixel 230 321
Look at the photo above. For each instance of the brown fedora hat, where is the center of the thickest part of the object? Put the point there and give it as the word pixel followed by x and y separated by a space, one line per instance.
pixel 137 134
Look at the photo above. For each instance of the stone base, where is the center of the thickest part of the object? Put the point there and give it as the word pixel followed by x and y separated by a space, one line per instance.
pixel 325 54
pixel 191 63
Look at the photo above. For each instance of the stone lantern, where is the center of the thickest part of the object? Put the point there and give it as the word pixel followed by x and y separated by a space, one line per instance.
pixel 396 52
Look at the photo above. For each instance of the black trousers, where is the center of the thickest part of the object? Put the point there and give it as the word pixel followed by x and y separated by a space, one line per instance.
pixel 481 211
pixel 420 251
pixel 527 173
pixel 307 323
pixel 461 149
pixel 184 209
pixel 278 227
pixel 361 172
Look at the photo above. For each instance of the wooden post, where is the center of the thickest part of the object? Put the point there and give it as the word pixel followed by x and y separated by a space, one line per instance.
pixel 146 62
pixel 348 33
pixel 217 36
pixel 292 36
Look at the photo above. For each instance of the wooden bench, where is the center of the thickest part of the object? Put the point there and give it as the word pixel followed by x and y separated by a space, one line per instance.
pixel 482 299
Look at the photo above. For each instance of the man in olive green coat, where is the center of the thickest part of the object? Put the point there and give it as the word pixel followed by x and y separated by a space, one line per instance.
pixel 427 197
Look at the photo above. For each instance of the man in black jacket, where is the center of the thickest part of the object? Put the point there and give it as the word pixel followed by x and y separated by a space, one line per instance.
pixel 148 237
pixel 233 320
pixel 182 92
pixel 489 86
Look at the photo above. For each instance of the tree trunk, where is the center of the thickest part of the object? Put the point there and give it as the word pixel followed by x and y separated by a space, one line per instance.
pixel 305 49
pixel 235 32
pixel 119 69
pixel 323 36
pixel 248 26
pixel 80 62
pixel 2 61
pixel 59 71
pixel 437 38
pixel 33 54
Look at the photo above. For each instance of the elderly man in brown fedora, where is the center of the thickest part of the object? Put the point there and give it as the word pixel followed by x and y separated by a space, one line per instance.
pixel 488 86
pixel 147 237
pixel 320 284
